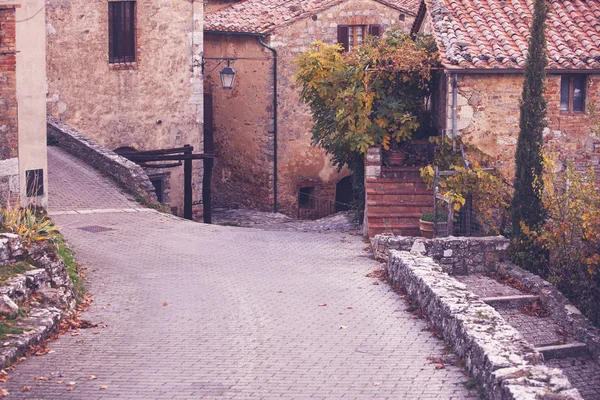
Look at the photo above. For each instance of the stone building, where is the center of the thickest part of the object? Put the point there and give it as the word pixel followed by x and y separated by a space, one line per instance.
pixel 128 74
pixel 23 166
pixel 484 48
pixel 251 33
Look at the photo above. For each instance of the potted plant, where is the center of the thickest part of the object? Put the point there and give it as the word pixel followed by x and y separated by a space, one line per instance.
pixel 426 224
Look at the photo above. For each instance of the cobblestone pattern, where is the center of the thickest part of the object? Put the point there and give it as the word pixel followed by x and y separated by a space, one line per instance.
pixel 539 331
pixel 339 222
pixel 190 311
pixel 484 286
pixel 506 365
pixel 75 185
pixel 565 314
pixel 126 172
pixel 456 255
pixel 583 374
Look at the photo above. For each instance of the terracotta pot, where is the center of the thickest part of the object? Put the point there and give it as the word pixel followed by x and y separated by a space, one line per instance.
pixel 427 229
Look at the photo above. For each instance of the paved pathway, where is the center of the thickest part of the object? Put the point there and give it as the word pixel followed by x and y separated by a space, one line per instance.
pixel 193 311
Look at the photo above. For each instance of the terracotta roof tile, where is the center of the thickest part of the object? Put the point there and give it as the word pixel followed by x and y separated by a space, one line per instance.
pixel 486 34
pixel 264 16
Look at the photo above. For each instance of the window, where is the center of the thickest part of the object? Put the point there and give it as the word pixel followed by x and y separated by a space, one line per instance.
pixel 121 31
pixel 572 93
pixel 35 182
pixel 352 36
pixel 306 197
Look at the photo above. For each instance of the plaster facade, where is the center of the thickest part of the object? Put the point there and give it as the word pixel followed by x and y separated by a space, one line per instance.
pixel 22 100
pixel 488 117
pixel 244 116
pixel 153 103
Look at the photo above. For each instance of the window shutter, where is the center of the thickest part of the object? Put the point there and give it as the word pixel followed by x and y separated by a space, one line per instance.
pixel 375 30
pixel 343 37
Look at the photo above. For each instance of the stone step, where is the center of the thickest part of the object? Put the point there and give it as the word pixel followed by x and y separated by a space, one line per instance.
pixel 510 301
pixel 575 349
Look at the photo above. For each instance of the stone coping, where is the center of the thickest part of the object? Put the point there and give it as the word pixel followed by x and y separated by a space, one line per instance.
pixel 127 173
pixel 500 359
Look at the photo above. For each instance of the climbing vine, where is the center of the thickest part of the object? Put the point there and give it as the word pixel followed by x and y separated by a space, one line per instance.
pixel 489 191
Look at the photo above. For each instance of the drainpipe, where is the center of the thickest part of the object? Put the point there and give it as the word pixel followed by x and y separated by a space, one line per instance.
pixel 454 110
pixel 261 41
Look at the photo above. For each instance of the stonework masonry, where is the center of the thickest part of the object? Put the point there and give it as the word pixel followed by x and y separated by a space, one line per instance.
pixel 244 117
pixel 154 103
pixel 488 117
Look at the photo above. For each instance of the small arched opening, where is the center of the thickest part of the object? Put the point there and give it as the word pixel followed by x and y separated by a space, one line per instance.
pixel 343 194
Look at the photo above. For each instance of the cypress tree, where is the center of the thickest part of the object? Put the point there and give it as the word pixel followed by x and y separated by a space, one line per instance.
pixel 526 206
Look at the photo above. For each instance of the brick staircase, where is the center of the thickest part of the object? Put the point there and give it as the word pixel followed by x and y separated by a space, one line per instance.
pixel 396 197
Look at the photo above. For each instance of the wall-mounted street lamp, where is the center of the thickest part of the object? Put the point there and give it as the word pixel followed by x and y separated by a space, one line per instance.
pixel 227 76
pixel 227 73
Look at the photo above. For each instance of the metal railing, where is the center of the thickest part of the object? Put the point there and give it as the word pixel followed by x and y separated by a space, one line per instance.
pixel 313 207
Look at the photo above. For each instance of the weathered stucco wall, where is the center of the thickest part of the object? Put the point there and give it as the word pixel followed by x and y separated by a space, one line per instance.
pixel 243 122
pixel 9 127
pixel 488 117
pixel 155 103
pixel 22 99
pixel 243 116
pixel 31 90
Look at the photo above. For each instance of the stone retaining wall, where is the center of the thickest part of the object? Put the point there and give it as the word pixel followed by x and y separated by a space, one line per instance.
pixel 456 255
pixel 503 363
pixel 126 172
pixel 51 285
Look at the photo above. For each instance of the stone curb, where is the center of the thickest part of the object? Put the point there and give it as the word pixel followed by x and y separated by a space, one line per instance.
pixel 500 359
pixel 126 172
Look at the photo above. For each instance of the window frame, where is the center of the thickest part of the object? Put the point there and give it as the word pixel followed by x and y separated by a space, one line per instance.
pixel 571 93
pixel 124 56
pixel 344 35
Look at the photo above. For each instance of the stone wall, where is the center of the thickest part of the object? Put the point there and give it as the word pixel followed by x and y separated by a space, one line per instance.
pixel 488 117
pixel 154 103
pixel 456 255
pixel 9 164
pixel 46 290
pixel 502 362
pixel 126 172
pixel 243 122
pixel 244 115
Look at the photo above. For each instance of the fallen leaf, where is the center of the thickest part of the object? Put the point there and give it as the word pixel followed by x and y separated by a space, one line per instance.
pixel 343 326
pixel 91 377
pixel 60 382
pixel 350 307
pixel 26 389
pixel 323 305
pixel 71 383
pixel 31 332
pixel 377 383
pixel 69 389
pixel 165 304
pixel 41 378
pixel 103 387
pixel 440 366
pixel 3 392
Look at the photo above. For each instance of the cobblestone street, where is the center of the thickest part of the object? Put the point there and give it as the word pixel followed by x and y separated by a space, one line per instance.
pixel 190 311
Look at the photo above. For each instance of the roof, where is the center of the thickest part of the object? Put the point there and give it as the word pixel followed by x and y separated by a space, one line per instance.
pixel 493 34
pixel 264 16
